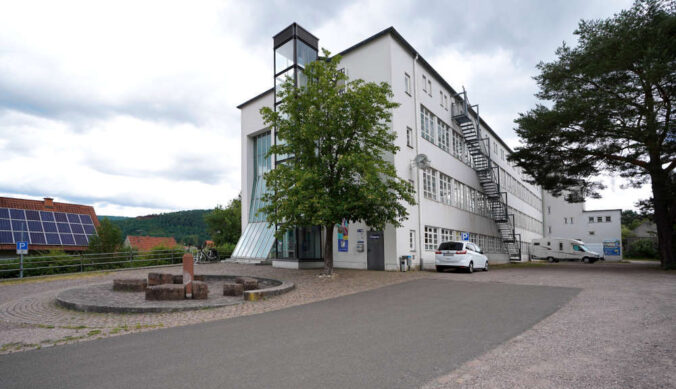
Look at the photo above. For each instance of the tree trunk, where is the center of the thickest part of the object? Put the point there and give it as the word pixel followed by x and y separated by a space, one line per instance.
pixel 328 250
pixel 664 219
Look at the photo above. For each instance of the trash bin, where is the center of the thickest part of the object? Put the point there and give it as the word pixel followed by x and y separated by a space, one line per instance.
pixel 408 261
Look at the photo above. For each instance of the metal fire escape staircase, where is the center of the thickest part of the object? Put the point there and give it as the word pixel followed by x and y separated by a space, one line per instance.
pixel 479 150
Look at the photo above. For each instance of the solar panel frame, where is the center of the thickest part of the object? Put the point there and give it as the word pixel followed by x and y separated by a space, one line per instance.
pixel 53 239
pixel 86 219
pixel 67 239
pixel 21 236
pixel 32 215
pixel 19 225
pixel 5 225
pixel 17 214
pixel 89 229
pixel 45 227
pixel 4 213
pixel 73 218
pixel 60 217
pixel 63 227
pixel 37 238
pixel 34 226
pixel 77 228
pixel 47 216
pixel 49 227
pixel 80 239
pixel 6 237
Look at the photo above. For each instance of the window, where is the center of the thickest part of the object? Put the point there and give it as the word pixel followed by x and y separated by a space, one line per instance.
pixel 502 154
pixel 607 219
pixel 560 246
pixel 549 210
pixel 424 83
pixel 446 102
pixel 445 188
pixel 441 98
pixel 407 83
pixel 592 233
pixel 431 239
pixel 411 240
pixel 409 137
pixel 430 184
pixel 599 219
pixel 429 86
pixel 495 147
pixel 446 235
pixel 443 135
pixel 412 184
pixel 571 220
pixel 565 220
pixel 591 219
pixel 427 124
pixel 549 229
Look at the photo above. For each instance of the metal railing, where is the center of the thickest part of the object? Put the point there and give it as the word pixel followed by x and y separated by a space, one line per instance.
pixel 76 263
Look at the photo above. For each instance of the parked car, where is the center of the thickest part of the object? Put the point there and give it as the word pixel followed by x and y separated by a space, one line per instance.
pixel 460 255
pixel 560 249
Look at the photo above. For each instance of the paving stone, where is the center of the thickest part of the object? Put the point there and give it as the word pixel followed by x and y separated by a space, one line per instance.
pixel 130 285
pixel 232 289
pixel 200 290
pixel 160 279
pixel 165 292
pixel 247 282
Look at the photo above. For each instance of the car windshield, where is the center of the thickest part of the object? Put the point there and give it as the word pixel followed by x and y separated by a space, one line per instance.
pixel 450 246
pixel 585 249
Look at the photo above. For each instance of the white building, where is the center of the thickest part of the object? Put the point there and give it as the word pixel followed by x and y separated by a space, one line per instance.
pixel 469 191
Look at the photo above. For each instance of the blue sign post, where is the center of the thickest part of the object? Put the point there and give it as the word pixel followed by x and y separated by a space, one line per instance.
pixel 21 249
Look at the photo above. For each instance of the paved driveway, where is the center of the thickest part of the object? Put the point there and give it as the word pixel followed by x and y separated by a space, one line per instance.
pixel 401 335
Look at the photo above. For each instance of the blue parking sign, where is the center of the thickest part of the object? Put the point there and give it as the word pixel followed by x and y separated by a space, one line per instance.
pixel 465 235
pixel 22 247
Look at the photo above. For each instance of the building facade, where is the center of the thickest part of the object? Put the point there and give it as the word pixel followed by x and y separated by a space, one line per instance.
pixel 467 191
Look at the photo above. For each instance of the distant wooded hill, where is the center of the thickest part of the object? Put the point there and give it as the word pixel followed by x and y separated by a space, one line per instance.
pixel 187 227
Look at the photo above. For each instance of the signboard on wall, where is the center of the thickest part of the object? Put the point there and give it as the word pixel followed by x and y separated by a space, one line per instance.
pixel 343 236
pixel 611 247
pixel 464 236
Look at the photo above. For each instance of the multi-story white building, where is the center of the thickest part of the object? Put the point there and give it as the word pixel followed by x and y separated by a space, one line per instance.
pixel 468 190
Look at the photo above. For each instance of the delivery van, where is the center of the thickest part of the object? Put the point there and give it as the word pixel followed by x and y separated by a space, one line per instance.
pixel 560 249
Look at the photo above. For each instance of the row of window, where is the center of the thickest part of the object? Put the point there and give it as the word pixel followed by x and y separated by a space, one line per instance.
pixel 518 189
pixel 436 235
pixel 599 219
pixel 521 220
pixel 440 187
pixel 439 133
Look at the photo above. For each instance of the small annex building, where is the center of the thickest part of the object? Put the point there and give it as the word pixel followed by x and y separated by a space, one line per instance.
pixel 45 224
pixel 147 243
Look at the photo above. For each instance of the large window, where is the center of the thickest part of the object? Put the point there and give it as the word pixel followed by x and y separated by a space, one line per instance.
pixel 430 184
pixel 304 53
pixel 445 189
pixel 431 238
pixel 284 56
pixel 446 235
pixel 427 124
pixel 443 135
pixel 261 164
pixel 411 240
pixel 407 83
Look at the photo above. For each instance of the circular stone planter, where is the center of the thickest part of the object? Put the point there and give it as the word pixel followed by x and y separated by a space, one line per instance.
pixel 102 298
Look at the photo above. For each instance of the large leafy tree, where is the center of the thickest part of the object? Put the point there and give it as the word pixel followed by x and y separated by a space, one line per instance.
pixel 338 136
pixel 108 237
pixel 225 223
pixel 610 110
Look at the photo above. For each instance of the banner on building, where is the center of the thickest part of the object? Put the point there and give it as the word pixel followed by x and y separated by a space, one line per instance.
pixel 343 236
pixel 611 247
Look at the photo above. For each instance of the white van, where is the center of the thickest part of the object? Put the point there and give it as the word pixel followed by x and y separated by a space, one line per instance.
pixel 560 249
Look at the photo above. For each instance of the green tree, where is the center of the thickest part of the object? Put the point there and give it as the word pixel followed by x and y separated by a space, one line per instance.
pixel 341 145
pixel 108 238
pixel 610 109
pixel 225 224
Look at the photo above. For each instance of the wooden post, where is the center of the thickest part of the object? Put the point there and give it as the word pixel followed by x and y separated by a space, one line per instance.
pixel 188 274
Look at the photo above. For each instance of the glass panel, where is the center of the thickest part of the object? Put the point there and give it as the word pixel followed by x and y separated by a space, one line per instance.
pixel 53 239
pixel 262 164
pixel 302 79
pixel 284 56
pixel 17 213
pixel 34 226
pixel 32 215
pixel 37 238
pixel 279 80
pixel 6 237
pixel 309 242
pixel 4 213
pixel 305 54
pixel 5 225
pixel 47 216
pixel 49 227
pixel 77 228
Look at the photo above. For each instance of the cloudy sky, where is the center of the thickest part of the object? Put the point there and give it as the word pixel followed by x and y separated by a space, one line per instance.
pixel 131 106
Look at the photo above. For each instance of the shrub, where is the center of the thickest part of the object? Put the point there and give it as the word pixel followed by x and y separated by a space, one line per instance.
pixel 641 248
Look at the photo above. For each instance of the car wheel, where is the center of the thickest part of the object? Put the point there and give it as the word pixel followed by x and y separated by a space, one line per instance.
pixel 440 269
pixel 470 268
pixel 550 259
pixel 486 266
pixel 585 260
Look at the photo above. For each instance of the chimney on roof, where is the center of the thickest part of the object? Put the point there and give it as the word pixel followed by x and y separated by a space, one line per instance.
pixel 49 202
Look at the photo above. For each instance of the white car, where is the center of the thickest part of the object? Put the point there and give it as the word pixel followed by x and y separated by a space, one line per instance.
pixel 460 255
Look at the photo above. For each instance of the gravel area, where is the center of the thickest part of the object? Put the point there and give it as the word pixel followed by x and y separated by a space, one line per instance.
pixel 619 332
pixel 29 317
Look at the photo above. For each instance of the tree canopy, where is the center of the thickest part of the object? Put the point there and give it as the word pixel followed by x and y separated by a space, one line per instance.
pixel 225 224
pixel 107 239
pixel 338 136
pixel 609 109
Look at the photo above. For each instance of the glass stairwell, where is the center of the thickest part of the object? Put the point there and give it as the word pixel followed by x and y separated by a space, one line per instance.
pixel 487 172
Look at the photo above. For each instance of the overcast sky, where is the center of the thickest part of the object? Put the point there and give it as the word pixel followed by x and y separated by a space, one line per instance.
pixel 131 106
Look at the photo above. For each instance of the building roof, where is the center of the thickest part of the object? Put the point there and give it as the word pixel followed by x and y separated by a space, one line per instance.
pixel 408 47
pixel 49 205
pixel 146 243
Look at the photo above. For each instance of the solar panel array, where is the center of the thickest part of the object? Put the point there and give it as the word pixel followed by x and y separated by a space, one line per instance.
pixel 45 227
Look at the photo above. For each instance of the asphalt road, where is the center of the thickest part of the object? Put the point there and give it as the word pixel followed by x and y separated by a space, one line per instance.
pixel 401 335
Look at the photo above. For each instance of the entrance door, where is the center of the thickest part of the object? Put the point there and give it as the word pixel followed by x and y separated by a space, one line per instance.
pixel 375 255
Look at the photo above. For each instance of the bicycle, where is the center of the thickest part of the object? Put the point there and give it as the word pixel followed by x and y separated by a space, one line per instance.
pixel 206 255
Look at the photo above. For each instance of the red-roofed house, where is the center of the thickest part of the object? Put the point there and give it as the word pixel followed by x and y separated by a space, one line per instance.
pixel 45 224
pixel 146 243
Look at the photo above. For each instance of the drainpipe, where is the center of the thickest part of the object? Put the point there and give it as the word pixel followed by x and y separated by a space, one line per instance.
pixel 421 232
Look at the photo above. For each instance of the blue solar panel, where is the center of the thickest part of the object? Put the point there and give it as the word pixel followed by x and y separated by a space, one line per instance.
pixel 67 239
pixel 5 225
pixel 89 229
pixel 60 217
pixel 53 239
pixel 37 238
pixel 86 219
pixel 47 216
pixel 80 240
pixel 34 226
pixel 4 213
pixel 73 218
pixel 17 214
pixel 6 237
pixel 77 228
pixel 32 215
pixel 49 227
pixel 20 236
pixel 19 225
pixel 63 227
